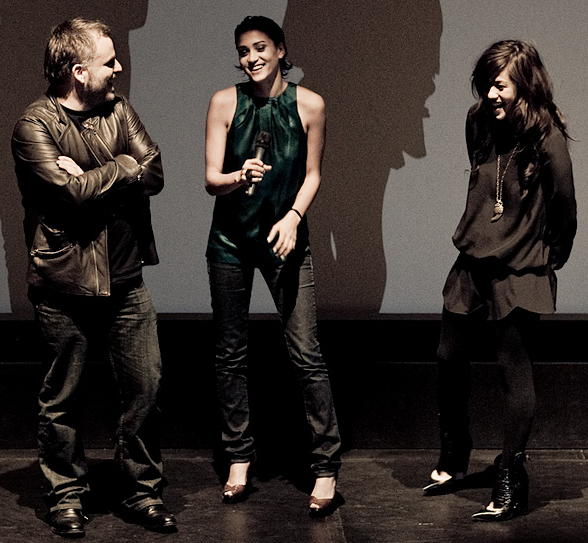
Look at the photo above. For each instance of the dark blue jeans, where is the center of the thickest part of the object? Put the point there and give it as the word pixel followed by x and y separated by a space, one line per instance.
pixel 292 287
pixel 126 323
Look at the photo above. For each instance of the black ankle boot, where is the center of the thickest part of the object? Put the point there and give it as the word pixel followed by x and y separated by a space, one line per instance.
pixel 510 494
pixel 453 460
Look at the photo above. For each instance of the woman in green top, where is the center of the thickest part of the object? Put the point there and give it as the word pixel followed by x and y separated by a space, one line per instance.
pixel 266 228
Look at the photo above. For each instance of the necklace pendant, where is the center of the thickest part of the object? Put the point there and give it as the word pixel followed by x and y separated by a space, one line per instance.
pixel 498 211
pixel 499 206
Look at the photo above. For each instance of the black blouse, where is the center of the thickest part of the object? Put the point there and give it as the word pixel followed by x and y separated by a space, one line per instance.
pixel 538 225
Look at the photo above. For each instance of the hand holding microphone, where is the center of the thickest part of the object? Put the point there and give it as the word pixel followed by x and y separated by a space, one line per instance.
pixel 261 145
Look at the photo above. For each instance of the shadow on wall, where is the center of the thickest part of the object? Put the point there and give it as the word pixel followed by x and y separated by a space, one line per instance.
pixel 374 64
pixel 24 29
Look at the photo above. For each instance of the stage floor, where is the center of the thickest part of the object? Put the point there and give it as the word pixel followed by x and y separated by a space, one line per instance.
pixel 383 502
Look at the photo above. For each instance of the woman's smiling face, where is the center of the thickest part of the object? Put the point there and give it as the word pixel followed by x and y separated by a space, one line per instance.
pixel 501 95
pixel 259 56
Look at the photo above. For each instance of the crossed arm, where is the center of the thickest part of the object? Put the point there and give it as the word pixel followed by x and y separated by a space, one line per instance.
pixel 46 162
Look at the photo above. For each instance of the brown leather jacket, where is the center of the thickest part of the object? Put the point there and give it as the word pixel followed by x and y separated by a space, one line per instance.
pixel 66 216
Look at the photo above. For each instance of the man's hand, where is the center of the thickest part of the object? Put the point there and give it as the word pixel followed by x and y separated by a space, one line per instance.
pixel 69 165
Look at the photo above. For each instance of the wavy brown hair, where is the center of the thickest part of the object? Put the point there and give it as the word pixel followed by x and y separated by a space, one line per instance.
pixel 533 113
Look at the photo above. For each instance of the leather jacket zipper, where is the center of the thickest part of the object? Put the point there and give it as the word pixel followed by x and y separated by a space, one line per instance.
pixel 98 147
pixel 90 129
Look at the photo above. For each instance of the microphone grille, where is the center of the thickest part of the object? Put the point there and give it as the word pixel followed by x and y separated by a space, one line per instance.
pixel 263 139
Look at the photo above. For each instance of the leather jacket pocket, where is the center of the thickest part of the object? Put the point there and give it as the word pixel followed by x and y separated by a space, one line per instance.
pixel 50 242
pixel 56 260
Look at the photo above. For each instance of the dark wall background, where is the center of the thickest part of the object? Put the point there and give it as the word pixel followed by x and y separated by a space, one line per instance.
pixel 395 78
pixel 375 71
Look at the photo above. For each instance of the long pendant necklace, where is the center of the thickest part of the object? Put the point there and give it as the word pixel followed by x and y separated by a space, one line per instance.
pixel 499 205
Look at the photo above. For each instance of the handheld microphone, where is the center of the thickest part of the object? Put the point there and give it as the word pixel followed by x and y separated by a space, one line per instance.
pixel 261 145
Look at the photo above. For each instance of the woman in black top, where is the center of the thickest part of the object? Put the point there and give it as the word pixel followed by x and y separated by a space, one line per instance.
pixel 518 227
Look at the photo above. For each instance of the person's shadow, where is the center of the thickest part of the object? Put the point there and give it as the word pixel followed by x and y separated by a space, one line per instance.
pixel 24 30
pixel 27 483
pixel 374 64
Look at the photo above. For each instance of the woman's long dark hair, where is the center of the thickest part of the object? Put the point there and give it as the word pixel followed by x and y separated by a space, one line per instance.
pixel 533 112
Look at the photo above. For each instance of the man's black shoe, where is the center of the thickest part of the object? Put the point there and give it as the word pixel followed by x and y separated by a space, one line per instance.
pixel 67 522
pixel 155 517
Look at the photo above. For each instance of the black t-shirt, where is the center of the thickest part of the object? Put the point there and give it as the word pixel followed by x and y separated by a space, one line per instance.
pixel 124 258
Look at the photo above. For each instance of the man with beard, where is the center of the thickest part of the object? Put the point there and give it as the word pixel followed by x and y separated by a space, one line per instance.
pixel 86 168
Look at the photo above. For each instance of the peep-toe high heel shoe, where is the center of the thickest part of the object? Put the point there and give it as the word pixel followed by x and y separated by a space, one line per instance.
pixel 237 493
pixel 323 507
pixel 319 508
pixel 510 494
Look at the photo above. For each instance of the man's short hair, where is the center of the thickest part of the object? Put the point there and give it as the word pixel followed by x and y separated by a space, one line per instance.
pixel 70 43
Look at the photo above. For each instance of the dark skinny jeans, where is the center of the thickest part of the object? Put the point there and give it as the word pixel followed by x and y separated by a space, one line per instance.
pixel 292 287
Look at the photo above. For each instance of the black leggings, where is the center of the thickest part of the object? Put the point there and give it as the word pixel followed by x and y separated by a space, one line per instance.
pixel 513 338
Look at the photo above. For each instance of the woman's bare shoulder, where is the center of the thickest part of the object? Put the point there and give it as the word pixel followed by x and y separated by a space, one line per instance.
pixel 224 97
pixel 311 107
pixel 309 99
pixel 222 107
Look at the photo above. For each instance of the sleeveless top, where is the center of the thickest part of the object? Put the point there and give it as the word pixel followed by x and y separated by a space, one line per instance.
pixel 241 223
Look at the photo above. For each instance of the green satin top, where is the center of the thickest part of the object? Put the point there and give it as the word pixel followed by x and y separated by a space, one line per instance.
pixel 241 223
